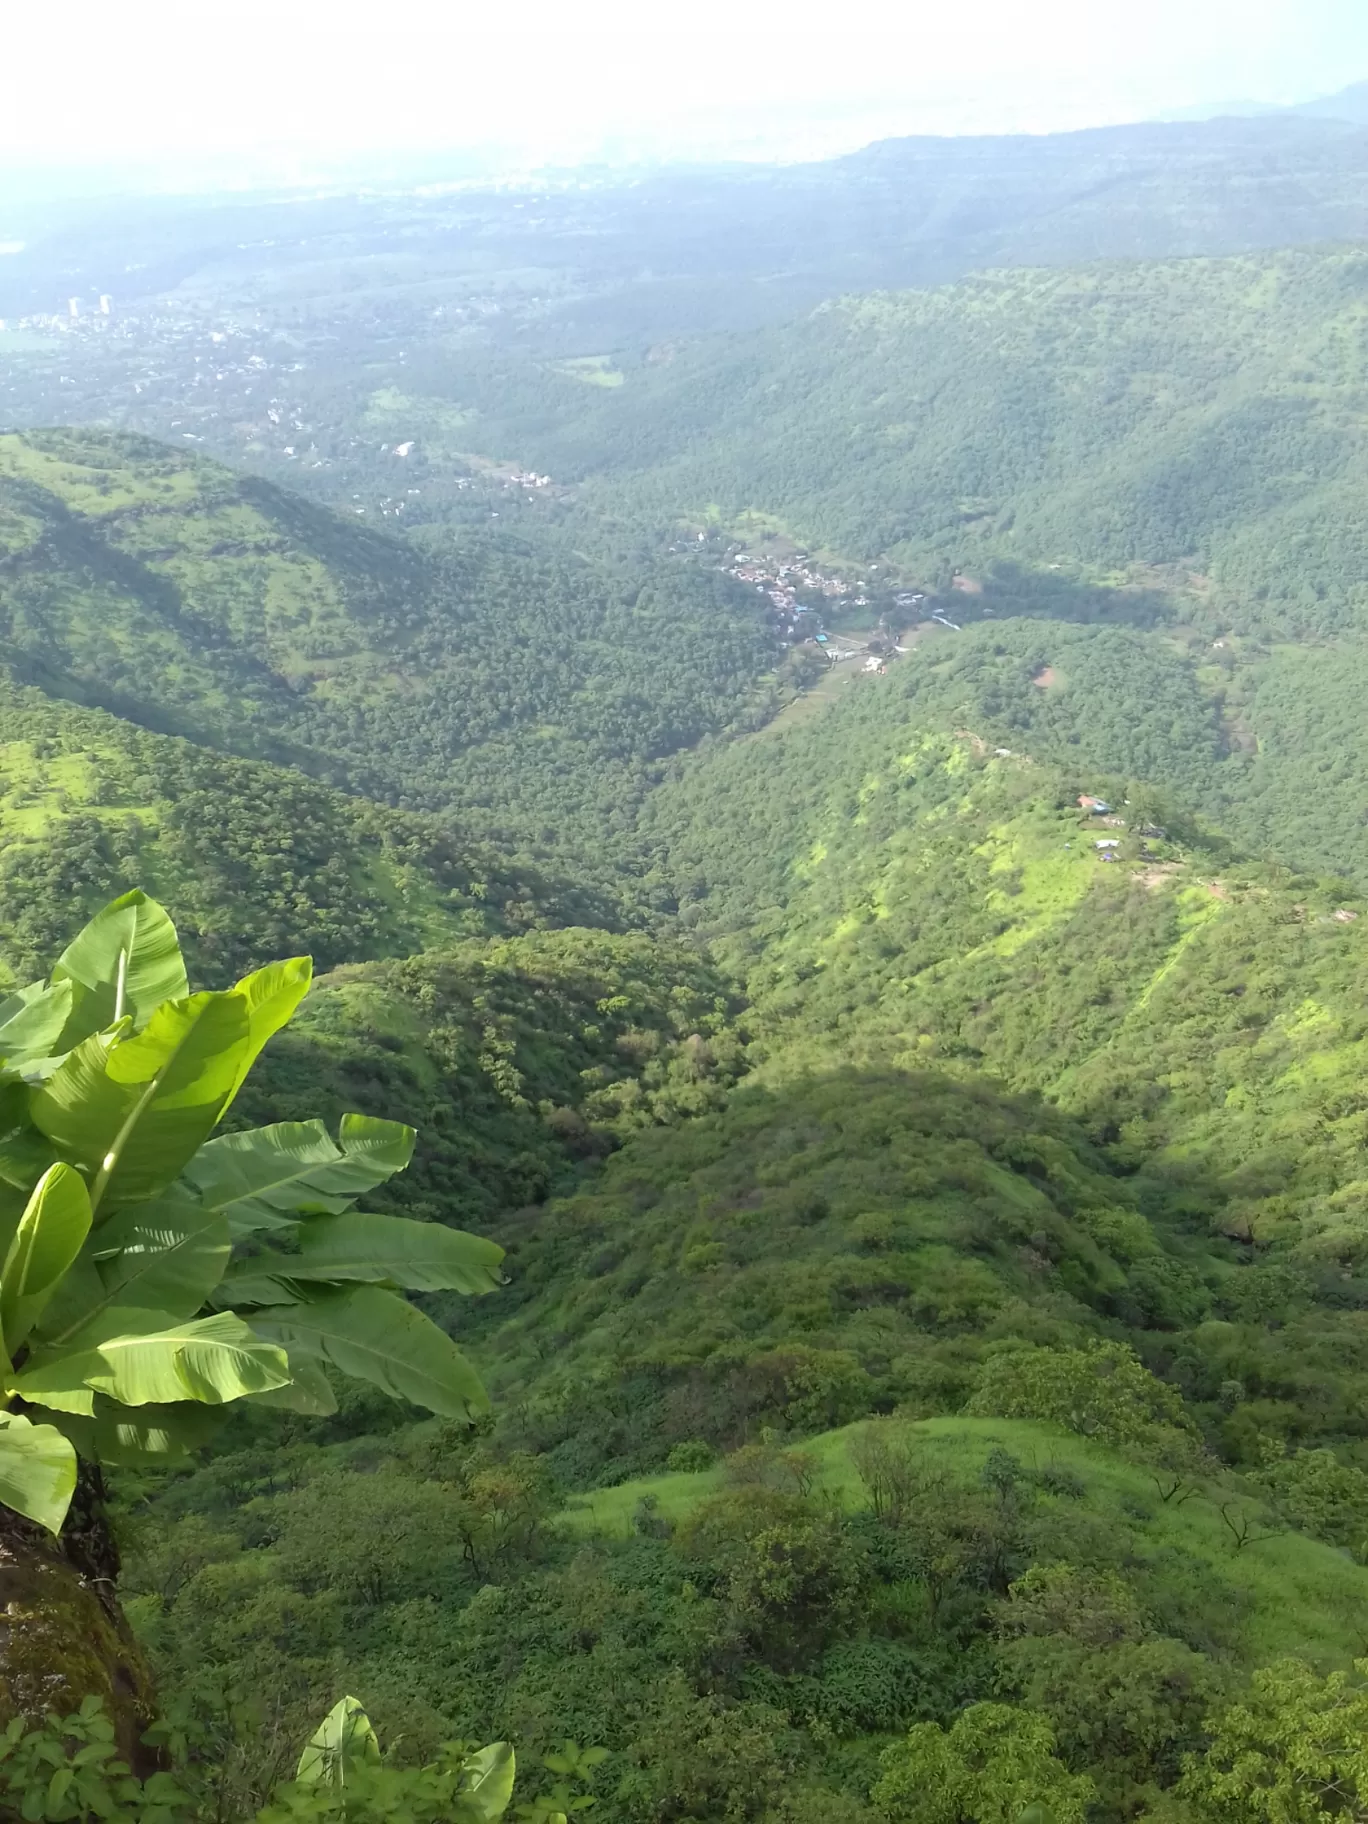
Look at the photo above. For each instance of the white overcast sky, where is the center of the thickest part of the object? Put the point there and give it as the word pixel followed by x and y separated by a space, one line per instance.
pixel 244 83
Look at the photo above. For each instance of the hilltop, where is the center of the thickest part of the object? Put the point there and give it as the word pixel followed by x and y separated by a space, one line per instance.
pixel 1258 740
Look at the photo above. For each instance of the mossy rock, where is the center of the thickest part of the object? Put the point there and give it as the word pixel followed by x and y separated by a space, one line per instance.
pixel 63 1638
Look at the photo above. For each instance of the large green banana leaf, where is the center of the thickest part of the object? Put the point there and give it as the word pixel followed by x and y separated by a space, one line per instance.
pixel 37 1470
pixel 32 1024
pixel 126 961
pixel 381 1250
pixel 266 1177
pixel 167 1255
pixel 271 995
pixel 487 1782
pixel 51 1232
pixel 138 1437
pixel 131 1111
pixel 344 1739
pixel 145 1362
pixel 378 1336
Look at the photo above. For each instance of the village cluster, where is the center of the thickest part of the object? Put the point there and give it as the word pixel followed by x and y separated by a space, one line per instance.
pixel 786 581
pixel 1108 847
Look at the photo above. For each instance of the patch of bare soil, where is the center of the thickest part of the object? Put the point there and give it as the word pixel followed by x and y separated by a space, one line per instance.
pixel 1156 873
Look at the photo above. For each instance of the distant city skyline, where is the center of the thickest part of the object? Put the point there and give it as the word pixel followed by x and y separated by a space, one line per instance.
pixel 300 89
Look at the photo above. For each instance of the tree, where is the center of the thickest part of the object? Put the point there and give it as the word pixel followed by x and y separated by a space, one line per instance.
pixel 151 1275
pixel 1323 1497
pixel 1104 1392
pixel 993 1763
pixel 1291 1752
pixel 1074 1644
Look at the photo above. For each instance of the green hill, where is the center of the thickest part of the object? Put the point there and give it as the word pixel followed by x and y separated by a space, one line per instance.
pixel 1260 740
pixel 1199 414
pixel 519 1048
pixel 254 860
pixel 890 894
pixel 521 1060
pixel 818 1250
pixel 520 690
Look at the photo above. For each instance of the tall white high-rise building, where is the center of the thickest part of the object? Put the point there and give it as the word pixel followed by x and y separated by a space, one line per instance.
pixel 73 308
pixel 106 303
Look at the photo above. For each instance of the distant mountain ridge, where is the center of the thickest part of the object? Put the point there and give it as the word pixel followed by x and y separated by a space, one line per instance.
pixel 687 250
pixel 1349 103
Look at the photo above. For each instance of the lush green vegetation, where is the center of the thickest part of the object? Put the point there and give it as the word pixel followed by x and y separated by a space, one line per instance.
pixel 526 691
pixel 520 1061
pixel 755 1618
pixel 253 858
pixel 1197 414
pixel 1093 1350
pixel 924 901
pixel 931 1376
pixel 1258 739
pixel 750 1641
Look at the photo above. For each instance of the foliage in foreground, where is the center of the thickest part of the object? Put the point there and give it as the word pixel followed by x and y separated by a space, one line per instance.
pixel 747 1640
pixel 64 1769
pixel 135 1242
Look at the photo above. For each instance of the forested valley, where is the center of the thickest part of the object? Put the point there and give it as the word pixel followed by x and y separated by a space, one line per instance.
pixel 606 1211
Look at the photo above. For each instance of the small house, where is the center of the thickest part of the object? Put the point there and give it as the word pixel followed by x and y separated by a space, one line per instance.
pixel 1098 806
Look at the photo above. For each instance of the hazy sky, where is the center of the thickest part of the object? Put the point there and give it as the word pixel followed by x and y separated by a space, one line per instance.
pixel 297 83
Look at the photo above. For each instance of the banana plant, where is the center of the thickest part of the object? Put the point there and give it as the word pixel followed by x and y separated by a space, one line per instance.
pixel 344 1774
pixel 152 1273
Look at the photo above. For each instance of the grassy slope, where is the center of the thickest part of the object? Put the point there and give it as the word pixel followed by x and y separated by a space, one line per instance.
pixel 297 1571
pixel 894 895
pixel 1261 739
pixel 1294 1595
